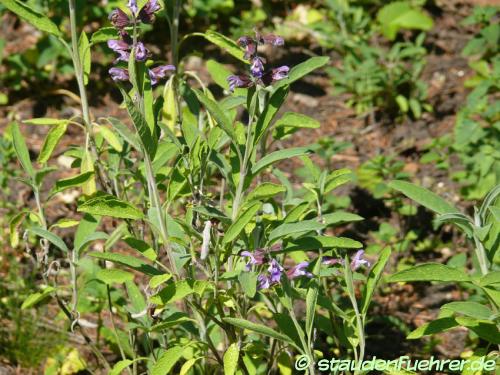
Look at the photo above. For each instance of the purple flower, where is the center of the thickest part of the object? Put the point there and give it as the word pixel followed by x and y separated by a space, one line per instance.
pixel 272 39
pixel 257 67
pixel 257 258
pixel 141 52
pixel 119 18
pixel 147 12
pixel 250 46
pixel 298 270
pixel 358 261
pixel 119 74
pixel 159 72
pixel 132 5
pixel 330 261
pixel 264 281
pixel 280 73
pixel 238 81
pixel 121 48
pixel 275 270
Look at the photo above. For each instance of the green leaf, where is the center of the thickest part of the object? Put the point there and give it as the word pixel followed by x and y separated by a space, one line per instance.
pixel 311 301
pixel 288 229
pixel 167 361
pixel 248 282
pixel 337 178
pixel 325 242
pixel 85 56
pixel 469 308
pixel 302 69
pixel 340 217
pixel 110 137
pixel 156 281
pixel 53 137
pixel 21 150
pixel 45 121
pixel 433 327
pixel 104 34
pixel 87 226
pixel 14 224
pixel 231 357
pixel 128 261
pixel 33 17
pixel 88 187
pixel 149 144
pixel 275 156
pixel 176 291
pixel 51 237
pixel 109 205
pixel 114 275
pixel 424 197
pixel 226 44
pixel 493 277
pixel 373 279
pixel 296 120
pixel 264 120
pixel 71 182
pixel 430 272
pixel 89 239
pixel 484 329
pixel 37 297
pixel 401 15
pixel 137 301
pixel 264 191
pixel 241 221
pixel 217 113
pixel 125 133
pixel 175 319
pixel 258 328
pixel 141 246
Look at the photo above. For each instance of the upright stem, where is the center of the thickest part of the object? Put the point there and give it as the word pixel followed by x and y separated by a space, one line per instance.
pixel 174 36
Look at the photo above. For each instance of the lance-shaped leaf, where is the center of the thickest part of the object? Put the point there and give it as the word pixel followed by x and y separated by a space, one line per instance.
pixel 45 121
pixel 85 56
pixel 37 297
pixel 33 17
pixel 167 361
pixel 128 261
pixel 275 156
pixel 373 279
pixel 226 44
pixel 303 69
pixel 21 150
pixel 241 221
pixel 217 114
pixel 230 359
pixel 264 121
pixel 289 229
pixel 71 182
pixel 424 197
pixel 264 191
pixel 109 205
pixel 114 276
pixel 148 142
pixel 104 34
pixel 53 137
pixel 311 299
pixel 258 328
pixel 51 237
pixel 430 272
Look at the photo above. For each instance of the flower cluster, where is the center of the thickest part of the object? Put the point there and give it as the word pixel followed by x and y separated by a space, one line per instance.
pixel 357 261
pixel 125 44
pixel 258 74
pixel 274 270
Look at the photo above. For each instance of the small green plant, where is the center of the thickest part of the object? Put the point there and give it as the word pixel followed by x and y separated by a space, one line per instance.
pixel 479 314
pixel 384 81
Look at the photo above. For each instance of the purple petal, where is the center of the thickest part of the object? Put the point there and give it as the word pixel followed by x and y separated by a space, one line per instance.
pixel 264 281
pixel 119 18
pixel 147 12
pixel 275 270
pixel 119 74
pixel 298 270
pixel 273 40
pixel 118 45
pixel 358 260
pixel 159 72
pixel 257 67
pixel 330 261
pixel 238 81
pixel 280 73
pixel 141 52
pixel 132 5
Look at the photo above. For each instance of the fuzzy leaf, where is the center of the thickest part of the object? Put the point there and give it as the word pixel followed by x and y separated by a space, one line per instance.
pixel 33 17
pixel 53 137
pixel 430 272
pixel 241 221
pixel 109 205
pixel 231 357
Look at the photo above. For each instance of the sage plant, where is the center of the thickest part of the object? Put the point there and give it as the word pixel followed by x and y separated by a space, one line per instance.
pixel 193 251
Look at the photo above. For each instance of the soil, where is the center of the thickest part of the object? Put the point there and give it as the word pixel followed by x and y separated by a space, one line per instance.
pixel 397 306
